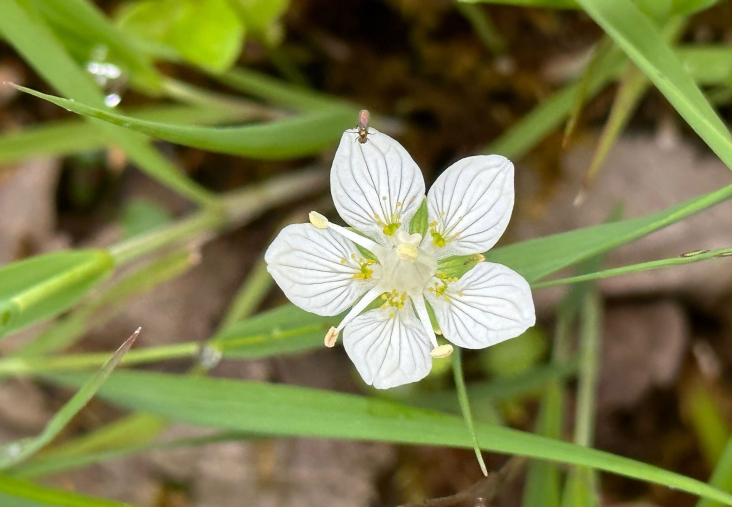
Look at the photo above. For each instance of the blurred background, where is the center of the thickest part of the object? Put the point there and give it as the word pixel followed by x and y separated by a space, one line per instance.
pixel 447 81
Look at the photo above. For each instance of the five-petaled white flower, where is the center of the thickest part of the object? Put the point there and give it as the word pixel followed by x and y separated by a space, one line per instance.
pixel 378 189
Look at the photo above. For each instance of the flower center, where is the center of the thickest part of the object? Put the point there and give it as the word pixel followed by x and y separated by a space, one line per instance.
pixel 407 268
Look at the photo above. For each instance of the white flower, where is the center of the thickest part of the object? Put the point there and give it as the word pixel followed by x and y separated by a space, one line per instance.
pixel 378 189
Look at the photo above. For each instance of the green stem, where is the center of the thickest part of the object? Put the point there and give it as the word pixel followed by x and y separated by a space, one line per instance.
pixel 462 392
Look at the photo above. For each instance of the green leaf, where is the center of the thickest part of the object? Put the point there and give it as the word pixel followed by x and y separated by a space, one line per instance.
pixel 44 286
pixel 18 451
pixel 420 221
pixel 289 411
pixel 27 32
pixel 457 265
pixel 15 493
pixel 260 17
pixel 287 329
pixel 84 19
pixel 639 38
pixel 722 476
pixel 537 258
pixel 290 138
pixel 204 32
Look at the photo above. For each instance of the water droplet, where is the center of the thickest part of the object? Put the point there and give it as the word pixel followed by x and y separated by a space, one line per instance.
pixel 210 357
pixel 112 100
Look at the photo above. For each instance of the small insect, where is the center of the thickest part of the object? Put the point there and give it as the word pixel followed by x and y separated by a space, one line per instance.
pixel 694 253
pixel 363 126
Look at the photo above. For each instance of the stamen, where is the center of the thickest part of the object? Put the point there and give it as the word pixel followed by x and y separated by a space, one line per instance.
pixel 368 244
pixel 441 351
pixel 424 317
pixel 359 307
pixel 331 337
pixel 318 220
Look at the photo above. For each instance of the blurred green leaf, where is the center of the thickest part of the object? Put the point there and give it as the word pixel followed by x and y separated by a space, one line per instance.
pixel 299 136
pixel 282 410
pixel 516 356
pixel 704 413
pixel 637 35
pixel 84 19
pixel 26 31
pixel 260 17
pixel 141 215
pixel 204 32
pixel 15 493
pixel 44 286
pixel 20 450
pixel 722 476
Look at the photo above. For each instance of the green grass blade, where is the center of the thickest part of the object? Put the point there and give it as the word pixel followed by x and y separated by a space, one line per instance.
pixel 16 493
pixel 106 304
pixel 708 65
pixel 686 258
pixel 722 476
pixel 293 137
pixel 637 35
pixel 46 285
pixel 27 32
pixel 462 394
pixel 281 410
pixel 484 27
pixel 67 137
pixel 580 489
pixel 19 451
pixel 537 258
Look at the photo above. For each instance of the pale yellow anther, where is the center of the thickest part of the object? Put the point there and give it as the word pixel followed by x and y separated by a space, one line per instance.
pixel 318 220
pixel 441 351
pixel 331 337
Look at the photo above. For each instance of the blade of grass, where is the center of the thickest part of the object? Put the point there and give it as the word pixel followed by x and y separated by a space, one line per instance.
pixel 107 303
pixel 483 27
pixel 639 38
pixel 705 417
pixel 686 258
pixel 27 32
pixel 596 64
pixel 19 451
pixel 280 410
pixel 462 395
pixel 540 257
pixel 289 138
pixel 722 476
pixel 66 137
pixel 45 285
pixel 16 493
pixel 580 489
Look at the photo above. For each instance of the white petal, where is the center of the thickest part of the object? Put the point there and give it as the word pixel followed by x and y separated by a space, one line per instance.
pixel 388 351
pixel 375 178
pixel 472 203
pixel 489 304
pixel 315 269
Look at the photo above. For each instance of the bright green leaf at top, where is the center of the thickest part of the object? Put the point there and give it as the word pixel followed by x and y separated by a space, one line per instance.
pixel 207 33
pixel 46 285
pixel 261 17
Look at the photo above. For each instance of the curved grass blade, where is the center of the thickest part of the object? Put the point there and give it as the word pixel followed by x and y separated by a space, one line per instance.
pixel 457 368
pixel 686 258
pixel 289 411
pixel 24 28
pixel 66 137
pixel 46 285
pixel 16 493
pixel 722 476
pixel 294 137
pixel 19 451
pixel 637 35
pixel 537 258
